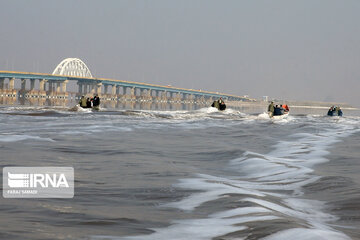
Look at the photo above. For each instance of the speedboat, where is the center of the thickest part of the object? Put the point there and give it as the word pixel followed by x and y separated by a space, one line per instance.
pixel 335 111
pixel 281 116
pixel 219 106
pixel 280 112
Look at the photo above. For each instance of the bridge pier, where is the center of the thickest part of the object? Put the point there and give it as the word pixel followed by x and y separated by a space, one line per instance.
pixel 201 99
pixel 63 88
pixel 2 82
pixel 98 88
pixel 54 86
pixel 117 89
pixel 32 84
pixel 106 88
pixel 50 86
pixel 132 93
pixel 23 86
pixel 90 88
pixel 172 96
pixel 113 90
pixel 164 96
pixel 85 88
pixel 42 83
pixel 57 87
pixel 178 97
pixel 149 95
pixel 125 90
pixel 192 97
pixel 157 93
pixel 11 84
pixel 80 88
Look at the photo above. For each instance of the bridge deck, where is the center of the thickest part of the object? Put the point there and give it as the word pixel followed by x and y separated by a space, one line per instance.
pixel 50 77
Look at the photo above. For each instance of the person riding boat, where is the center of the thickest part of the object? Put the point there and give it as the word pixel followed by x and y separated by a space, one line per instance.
pixel 278 110
pixel 88 103
pixel 222 105
pixel 271 109
pixel 335 111
pixel 96 101
pixel 215 104
pixel 331 111
pixel 340 113
pixel 285 107
pixel 219 104
pixel 82 102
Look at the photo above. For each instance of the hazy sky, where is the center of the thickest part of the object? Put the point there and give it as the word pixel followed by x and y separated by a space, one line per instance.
pixel 298 50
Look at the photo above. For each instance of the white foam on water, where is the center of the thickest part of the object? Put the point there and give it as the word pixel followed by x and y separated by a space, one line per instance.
pixel 240 211
pixel 307 210
pixel 307 234
pixel 189 117
pixel 213 190
pixel 87 131
pixel 283 119
pixel 271 182
pixel 17 138
pixel 208 110
pixel 95 129
pixel 201 229
pixel 263 115
pixel 77 108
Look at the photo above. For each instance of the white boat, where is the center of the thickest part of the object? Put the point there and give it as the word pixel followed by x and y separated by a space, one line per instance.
pixel 285 115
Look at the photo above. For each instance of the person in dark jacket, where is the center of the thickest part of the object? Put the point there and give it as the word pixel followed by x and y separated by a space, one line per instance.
pixel 335 111
pixel 219 104
pixel 332 111
pixel 278 110
pixel 222 105
pixel 340 113
pixel 88 103
pixel 96 101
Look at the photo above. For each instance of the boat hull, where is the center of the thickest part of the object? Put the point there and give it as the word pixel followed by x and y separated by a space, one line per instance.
pixel 282 116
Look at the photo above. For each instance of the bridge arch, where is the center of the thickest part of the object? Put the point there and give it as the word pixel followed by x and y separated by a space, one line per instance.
pixel 72 67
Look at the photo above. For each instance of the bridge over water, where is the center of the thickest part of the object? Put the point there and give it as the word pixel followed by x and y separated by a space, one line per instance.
pixel 73 70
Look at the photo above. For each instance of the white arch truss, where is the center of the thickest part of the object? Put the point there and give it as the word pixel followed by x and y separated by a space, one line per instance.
pixel 72 67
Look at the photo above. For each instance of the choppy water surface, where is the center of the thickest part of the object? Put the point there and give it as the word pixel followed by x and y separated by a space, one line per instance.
pixel 199 174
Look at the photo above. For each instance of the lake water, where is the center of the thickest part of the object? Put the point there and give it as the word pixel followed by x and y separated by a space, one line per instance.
pixel 199 174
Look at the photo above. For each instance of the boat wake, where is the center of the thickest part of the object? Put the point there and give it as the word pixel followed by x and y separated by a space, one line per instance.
pixel 264 188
